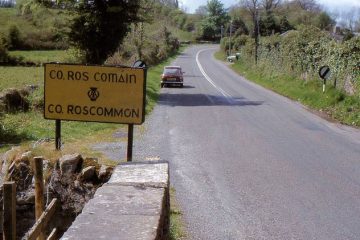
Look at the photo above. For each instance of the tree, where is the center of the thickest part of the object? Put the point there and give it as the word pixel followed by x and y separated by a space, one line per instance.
pixel 285 25
pixel 324 21
pixel 217 11
pixel 15 41
pixel 308 5
pixel 349 19
pixel 269 5
pixel 268 24
pixel 239 27
pixel 215 18
pixel 201 11
pixel 3 53
pixel 252 6
pixel 100 25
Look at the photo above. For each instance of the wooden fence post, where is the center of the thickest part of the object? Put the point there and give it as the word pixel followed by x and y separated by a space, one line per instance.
pixel 39 190
pixel 42 223
pixel 9 211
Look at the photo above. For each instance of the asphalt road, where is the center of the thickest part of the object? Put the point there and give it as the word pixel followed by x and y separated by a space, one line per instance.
pixel 247 163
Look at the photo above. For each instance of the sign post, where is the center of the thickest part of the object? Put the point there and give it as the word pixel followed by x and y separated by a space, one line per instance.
pixel 57 134
pixel 324 73
pixel 108 94
pixel 130 142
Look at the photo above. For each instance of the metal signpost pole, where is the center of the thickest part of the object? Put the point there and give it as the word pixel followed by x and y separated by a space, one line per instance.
pixel 324 73
pixel 112 94
pixel 130 142
pixel 230 38
pixel 58 134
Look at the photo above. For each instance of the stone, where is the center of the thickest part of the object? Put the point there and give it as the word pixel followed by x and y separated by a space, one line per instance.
pixel 70 163
pixel 105 173
pixel 26 156
pixel 88 173
pixel 77 184
pixel 134 204
pixel 27 197
pixel 7 160
pixel 91 159
pixel 46 165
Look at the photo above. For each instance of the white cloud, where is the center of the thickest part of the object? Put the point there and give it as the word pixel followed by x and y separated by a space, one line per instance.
pixel 332 4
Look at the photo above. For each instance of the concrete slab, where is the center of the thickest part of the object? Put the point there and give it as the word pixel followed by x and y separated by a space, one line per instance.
pixel 151 173
pixel 135 213
pixel 133 205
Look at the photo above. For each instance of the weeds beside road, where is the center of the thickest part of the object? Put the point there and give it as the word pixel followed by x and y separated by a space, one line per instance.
pixel 333 104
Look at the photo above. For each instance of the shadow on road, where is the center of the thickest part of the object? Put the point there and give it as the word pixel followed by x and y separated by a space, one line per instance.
pixel 176 86
pixel 195 100
pixel 193 76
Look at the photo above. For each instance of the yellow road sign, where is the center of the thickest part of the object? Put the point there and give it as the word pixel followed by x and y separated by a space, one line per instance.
pixel 94 93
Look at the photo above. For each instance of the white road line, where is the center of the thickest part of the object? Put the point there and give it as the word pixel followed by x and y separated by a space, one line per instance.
pixel 225 94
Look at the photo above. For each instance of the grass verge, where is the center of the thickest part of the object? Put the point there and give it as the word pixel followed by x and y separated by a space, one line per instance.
pixel 24 128
pixel 177 231
pixel 334 103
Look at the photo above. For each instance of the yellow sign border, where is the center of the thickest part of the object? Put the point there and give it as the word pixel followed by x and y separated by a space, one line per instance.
pixel 137 121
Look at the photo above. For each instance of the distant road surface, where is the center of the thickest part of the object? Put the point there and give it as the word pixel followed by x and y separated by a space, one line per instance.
pixel 249 164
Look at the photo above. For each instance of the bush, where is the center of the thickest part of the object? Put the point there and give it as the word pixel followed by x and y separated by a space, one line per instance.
pixel 14 100
pixel 100 26
pixel 3 50
pixel 304 51
pixel 15 39
pixel 165 45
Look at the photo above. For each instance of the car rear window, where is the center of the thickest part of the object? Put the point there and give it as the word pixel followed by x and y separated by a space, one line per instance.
pixel 172 71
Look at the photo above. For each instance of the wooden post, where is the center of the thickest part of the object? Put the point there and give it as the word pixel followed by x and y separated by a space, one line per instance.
pixel 42 223
pixel 9 211
pixel 39 190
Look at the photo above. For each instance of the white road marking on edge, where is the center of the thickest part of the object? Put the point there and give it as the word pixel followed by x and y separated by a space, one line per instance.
pixel 225 94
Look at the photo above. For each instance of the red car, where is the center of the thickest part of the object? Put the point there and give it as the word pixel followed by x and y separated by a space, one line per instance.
pixel 172 75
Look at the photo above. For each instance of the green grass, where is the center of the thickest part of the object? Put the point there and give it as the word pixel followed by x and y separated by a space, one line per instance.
pixel 19 77
pixel 41 19
pixel 333 103
pixel 40 57
pixel 31 126
pixel 44 28
pixel 176 231
pixel 8 16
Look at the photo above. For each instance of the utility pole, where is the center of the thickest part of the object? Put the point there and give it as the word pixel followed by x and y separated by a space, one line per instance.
pixel 257 33
pixel 230 38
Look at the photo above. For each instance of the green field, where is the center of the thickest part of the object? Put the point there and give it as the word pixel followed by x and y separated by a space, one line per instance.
pixel 39 57
pixel 32 126
pixel 19 77
pixel 9 16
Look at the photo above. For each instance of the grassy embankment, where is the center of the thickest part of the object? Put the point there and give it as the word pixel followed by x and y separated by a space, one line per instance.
pixel 28 127
pixel 333 103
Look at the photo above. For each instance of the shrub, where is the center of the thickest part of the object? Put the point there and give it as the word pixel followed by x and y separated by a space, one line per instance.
pixel 3 50
pixel 304 51
pixel 15 39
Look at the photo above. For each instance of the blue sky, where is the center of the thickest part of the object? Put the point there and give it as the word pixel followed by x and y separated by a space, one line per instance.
pixel 331 5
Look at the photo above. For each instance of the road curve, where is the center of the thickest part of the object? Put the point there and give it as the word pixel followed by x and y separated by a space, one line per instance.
pixel 247 163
